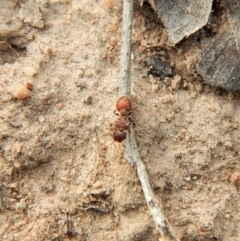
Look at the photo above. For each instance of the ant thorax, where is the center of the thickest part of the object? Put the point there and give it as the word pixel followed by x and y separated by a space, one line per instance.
pixel 123 113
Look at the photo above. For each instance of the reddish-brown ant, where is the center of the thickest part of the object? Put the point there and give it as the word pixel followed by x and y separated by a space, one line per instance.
pixel 123 106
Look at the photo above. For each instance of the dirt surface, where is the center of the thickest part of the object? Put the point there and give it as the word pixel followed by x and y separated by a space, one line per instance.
pixel 63 177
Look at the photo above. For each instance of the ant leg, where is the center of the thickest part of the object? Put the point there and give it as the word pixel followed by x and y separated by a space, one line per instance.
pixel 130 112
pixel 115 112
pixel 129 117
pixel 130 121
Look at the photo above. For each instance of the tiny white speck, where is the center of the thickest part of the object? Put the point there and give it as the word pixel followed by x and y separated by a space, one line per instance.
pixel 41 118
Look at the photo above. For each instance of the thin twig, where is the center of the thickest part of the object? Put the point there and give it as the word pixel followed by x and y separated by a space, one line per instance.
pixel 131 151
pixel 161 44
pixel 3 42
pixel 125 62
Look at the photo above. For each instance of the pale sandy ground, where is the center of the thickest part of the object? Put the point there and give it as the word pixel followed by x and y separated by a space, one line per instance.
pixel 63 177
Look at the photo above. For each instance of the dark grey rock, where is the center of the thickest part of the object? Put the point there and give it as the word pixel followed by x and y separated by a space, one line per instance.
pixel 219 64
pixel 160 68
pixel 182 17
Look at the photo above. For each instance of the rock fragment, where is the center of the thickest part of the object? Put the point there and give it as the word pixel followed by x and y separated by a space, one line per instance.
pixel 160 68
pixel 182 17
pixel 24 92
pixel 220 62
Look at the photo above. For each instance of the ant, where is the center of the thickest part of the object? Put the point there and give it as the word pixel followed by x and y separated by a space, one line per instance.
pixel 123 107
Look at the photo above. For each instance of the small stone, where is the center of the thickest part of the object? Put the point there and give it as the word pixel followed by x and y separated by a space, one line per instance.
pixel 167 81
pixel 29 86
pixel 163 59
pixel 80 73
pixel 18 149
pixel 88 100
pixel 14 185
pixel 162 52
pixel 154 88
pixel 113 41
pixel 228 144
pixel 191 232
pixel 235 177
pixel 60 105
pixel 41 118
pixel 227 216
pixel 187 178
pixel 185 84
pixel 30 71
pixel 16 164
pixel 22 93
pixel 198 87
pixel 132 56
pixel 97 184
pixel 160 68
pixel 144 43
pixel 176 82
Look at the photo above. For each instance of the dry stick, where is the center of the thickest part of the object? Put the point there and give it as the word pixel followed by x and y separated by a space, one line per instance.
pixel 125 62
pixel 3 42
pixel 131 151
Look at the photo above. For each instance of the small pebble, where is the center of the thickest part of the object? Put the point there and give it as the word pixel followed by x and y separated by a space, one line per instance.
pixel 18 149
pixel 30 71
pixel 235 177
pixel 163 53
pixel 23 93
pixel 41 118
pixel 154 88
pixel 80 73
pixel 159 68
pixel 227 216
pixel 176 82
pixel 16 164
pixel 97 184
pixel 60 105
pixel 198 87
pixel 132 56
pixel 88 100
pixel 29 86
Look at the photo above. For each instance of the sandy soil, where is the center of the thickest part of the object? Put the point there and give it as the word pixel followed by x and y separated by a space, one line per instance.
pixel 62 175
